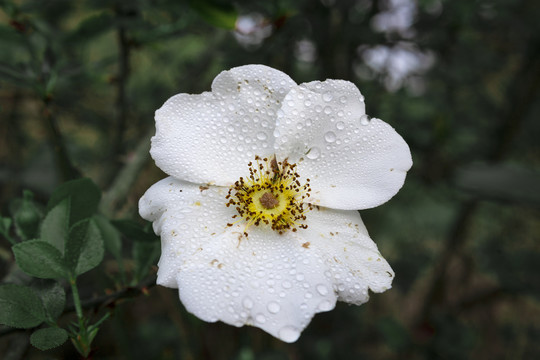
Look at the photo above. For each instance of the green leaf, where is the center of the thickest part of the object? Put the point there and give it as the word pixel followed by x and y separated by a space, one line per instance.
pixel 218 13
pixel 48 338
pixel 20 307
pixel 84 249
pixel 5 224
pixel 27 217
pixel 40 259
pixel 110 236
pixel 133 231
pixel 52 296
pixel 85 196
pixel 55 226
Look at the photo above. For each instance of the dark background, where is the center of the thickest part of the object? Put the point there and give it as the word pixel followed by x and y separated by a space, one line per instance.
pixel 459 80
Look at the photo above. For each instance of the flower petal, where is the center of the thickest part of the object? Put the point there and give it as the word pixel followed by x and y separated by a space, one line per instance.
pixel 352 163
pixel 275 282
pixel 266 280
pixel 210 138
pixel 354 261
pixel 185 215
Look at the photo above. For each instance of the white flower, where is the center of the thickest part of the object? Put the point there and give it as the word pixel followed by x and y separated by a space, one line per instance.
pixel 274 248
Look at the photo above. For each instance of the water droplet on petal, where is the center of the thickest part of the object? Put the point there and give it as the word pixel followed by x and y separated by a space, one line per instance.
pixel 325 305
pixel 261 136
pixel 273 307
pixel 288 334
pixel 247 302
pixel 322 289
pixel 330 137
pixel 260 318
pixel 340 125
pixel 314 153
pixel 364 119
pixel 327 96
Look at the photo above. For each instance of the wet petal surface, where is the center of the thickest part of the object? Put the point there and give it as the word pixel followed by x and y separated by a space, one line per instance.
pixel 352 162
pixel 209 138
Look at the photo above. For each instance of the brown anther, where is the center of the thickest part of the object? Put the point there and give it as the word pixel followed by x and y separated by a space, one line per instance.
pixel 269 201
pixel 274 165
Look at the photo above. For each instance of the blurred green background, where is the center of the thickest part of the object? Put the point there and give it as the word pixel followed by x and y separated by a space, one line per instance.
pixel 458 79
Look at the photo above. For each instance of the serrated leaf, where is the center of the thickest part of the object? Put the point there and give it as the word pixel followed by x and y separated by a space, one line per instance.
pixel 218 13
pixel 20 307
pixel 52 295
pixel 84 249
pixel 110 236
pixel 133 231
pixel 85 196
pixel 55 226
pixel 40 259
pixel 48 338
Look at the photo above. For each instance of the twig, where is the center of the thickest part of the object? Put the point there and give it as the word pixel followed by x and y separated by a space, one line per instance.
pixel 122 79
pixel 110 299
pixel 127 176
pixel 65 167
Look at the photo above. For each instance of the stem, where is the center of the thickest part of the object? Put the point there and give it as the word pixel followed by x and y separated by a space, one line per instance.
pixel 76 299
pixel 65 167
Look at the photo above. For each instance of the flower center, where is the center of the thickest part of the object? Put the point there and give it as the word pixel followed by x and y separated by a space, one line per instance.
pixel 269 201
pixel 271 195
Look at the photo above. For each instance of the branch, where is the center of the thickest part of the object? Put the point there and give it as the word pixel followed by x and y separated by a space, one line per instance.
pixel 127 176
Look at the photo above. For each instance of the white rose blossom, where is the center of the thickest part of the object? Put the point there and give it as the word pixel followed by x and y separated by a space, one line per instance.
pixel 258 218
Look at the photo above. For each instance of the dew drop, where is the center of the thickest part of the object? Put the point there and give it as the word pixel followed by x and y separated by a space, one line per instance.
pixel 343 99
pixel 286 284
pixel 261 136
pixel 273 307
pixel 322 289
pixel 314 153
pixel 327 96
pixel 327 110
pixel 340 125
pixel 330 137
pixel 289 334
pixel 260 318
pixel 247 302
pixel 325 305
pixel 364 119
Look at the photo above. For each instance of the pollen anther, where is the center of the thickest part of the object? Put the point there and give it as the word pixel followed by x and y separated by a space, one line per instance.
pixel 271 195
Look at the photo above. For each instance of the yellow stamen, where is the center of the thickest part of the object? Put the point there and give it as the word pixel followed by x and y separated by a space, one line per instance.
pixel 271 196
